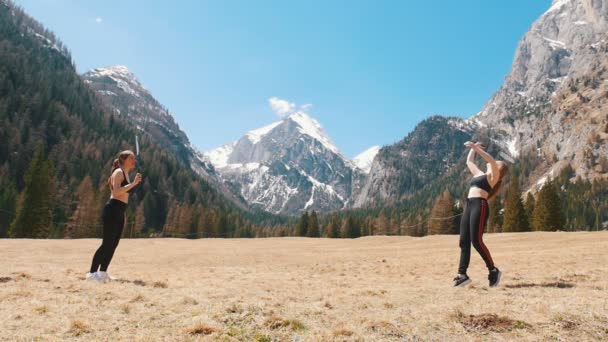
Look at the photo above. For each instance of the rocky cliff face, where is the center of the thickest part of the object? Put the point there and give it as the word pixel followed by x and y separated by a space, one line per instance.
pixel 554 100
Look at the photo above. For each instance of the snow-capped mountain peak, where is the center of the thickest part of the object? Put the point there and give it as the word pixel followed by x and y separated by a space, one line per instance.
pixel 113 70
pixel 313 128
pixel 288 166
pixel 365 159
pixel 557 5
pixel 123 78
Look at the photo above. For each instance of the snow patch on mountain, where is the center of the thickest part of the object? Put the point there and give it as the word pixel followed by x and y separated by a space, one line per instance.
pixel 219 157
pixel 365 159
pixel 312 128
pixel 256 135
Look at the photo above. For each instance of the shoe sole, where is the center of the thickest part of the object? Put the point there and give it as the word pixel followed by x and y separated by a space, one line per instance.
pixel 497 279
pixel 464 283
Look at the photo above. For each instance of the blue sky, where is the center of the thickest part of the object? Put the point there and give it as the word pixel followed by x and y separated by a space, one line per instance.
pixel 370 70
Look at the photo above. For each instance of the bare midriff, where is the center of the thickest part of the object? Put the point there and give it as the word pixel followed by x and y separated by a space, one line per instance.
pixel 477 192
pixel 123 197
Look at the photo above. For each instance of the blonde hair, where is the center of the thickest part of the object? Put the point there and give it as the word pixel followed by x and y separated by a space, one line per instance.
pixel 502 172
pixel 122 156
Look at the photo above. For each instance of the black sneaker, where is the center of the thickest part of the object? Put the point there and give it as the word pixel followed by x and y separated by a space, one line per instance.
pixel 461 280
pixel 494 277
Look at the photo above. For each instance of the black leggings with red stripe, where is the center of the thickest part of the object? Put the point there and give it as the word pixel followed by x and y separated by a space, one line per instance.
pixel 472 224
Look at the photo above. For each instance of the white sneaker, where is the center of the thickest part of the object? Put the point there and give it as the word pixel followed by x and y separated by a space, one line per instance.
pixel 93 277
pixel 103 276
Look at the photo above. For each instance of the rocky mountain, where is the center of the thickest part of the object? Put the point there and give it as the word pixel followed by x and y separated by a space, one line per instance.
pixel 429 152
pixel 554 101
pixel 123 92
pixel 288 166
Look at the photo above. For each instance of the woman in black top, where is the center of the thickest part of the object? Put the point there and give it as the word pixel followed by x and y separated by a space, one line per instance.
pixel 484 187
pixel 114 214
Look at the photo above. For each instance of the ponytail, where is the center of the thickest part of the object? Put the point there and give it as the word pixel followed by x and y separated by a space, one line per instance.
pixel 122 156
pixel 115 165
pixel 503 171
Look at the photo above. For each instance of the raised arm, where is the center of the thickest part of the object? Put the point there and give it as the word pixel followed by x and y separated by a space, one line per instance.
pixel 117 179
pixel 471 159
pixel 471 163
pixel 487 157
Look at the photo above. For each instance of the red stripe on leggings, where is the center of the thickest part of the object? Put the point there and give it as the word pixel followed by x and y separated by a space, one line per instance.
pixel 482 219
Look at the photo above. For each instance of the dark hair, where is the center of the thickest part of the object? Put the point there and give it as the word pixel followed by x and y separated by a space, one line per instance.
pixel 122 156
pixel 502 173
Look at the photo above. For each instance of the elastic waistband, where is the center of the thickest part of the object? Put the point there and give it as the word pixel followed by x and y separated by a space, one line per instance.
pixel 117 203
pixel 476 199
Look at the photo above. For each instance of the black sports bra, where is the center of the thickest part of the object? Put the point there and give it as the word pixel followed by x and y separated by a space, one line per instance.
pixel 481 182
pixel 125 181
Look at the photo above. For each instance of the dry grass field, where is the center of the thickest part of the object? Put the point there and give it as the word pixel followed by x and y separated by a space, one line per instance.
pixel 554 288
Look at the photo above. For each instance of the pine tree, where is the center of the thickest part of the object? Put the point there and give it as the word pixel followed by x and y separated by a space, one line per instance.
pixel 333 228
pixel 443 209
pixel 302 229
pixel 169 226
pixel 313 225
pixel 34 217
pixel 382 224
pixel 140 221
pixel 8 201
pixel 548 215
pixel 206 224
pixel 529 208
pixel 84 220
pixel 221 226
pixel 349 229
pixel 515 219
pixel 495 216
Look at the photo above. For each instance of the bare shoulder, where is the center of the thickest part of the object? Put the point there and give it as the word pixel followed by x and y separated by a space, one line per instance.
pixel 118 173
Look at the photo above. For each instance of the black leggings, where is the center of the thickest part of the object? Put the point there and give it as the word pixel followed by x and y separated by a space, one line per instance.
pixel 113 223
pixel 472 224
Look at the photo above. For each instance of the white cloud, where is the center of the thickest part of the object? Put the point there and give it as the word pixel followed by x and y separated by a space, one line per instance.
pixel 98 20
pixel 306 107
pixel 281 107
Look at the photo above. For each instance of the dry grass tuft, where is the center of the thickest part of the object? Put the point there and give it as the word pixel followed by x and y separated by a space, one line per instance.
pixel 234 308
pixel 343 333
pixel 565 323
pixel 139 282
pixel 41 309
pixel 489 322
pixel 276 322
pixel 125 308
pixel 190 301
pixel 5 279
pixel 138 298
pixel 380 326
pixel 202 329
pixel 78 328
pixel 160 284
pixel 23 276
pixel 557 284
